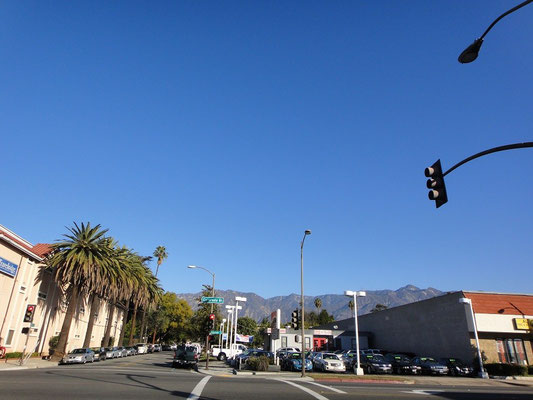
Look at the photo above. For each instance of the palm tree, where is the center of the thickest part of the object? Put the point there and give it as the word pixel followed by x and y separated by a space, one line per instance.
pixel 79 263
pixel 318 303
pixel 161 254
pixel 351 305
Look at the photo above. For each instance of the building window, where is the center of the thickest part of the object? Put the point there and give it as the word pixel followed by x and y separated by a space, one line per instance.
pixel 42 296
pixel 307 343
pixel 511 351
pixel 9 339
pixel 22 289
pixel 284 341
pixel 82 310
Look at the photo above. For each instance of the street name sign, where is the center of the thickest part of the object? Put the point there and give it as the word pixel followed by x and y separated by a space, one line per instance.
pixel 213 300
pixel 215 332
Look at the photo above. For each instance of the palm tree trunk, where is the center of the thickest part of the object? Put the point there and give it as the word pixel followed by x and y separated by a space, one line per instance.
pixel 143 325
pixel 60 350
pixel 133 321
pixel 107 334
pixel 123 327
pixel 92 312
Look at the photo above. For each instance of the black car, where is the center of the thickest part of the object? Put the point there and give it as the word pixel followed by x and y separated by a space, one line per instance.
pixel 100 353
pixel 430 366
pixel 401 364
pixel 185 356
pixel 374 364
pixel 456 367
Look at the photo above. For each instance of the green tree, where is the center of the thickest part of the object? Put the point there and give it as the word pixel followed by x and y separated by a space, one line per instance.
pixel 161 254
pixel 351 305
pixel 318 303
pixel 79 262
pixel 200 323
pixel 379 307
pixel 247 326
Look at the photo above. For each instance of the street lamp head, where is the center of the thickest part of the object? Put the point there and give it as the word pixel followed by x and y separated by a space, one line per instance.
pixel 361 294
pixel 223 320
pixel 307 231
pixel 240 298
pixel 471 52
pixel 349 293
pixel 192 266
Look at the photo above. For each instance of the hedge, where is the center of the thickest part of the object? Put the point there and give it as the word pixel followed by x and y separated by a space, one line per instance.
pixel 497 369
pixel 258 363
pixel 17 354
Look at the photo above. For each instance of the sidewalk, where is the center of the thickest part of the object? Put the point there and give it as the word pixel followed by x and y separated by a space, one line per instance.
pixel 12 364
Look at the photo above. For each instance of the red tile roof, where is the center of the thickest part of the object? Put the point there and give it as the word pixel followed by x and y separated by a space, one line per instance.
pixel 18 241
pixel 496 303
pixel 41 249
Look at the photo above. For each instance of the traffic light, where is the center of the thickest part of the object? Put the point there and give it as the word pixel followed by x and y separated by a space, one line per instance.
pixel 212 317
pixel 295 319
pixel 30 310
pixel 436 184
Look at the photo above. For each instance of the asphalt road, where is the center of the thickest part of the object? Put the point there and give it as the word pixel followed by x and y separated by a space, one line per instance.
pixel 152 376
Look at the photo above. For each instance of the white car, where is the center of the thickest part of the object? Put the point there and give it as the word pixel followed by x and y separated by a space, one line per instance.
pixel 142 348
pixel 79 356
pixel 329 362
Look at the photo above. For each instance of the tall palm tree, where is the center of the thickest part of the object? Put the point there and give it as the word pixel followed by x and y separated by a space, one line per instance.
pixel 351 305
pixel 77 264
pixel 161 254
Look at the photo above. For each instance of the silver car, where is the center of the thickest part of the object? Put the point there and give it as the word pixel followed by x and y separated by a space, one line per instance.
pixel 112 352
pixel 329 362
pixel 79 356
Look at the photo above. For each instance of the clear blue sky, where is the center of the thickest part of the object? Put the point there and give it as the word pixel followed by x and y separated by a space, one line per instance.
pixel 223 130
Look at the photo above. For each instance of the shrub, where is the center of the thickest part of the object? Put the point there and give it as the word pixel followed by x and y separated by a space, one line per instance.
pixel 52 343
pixel 17 354
pixel 258 363
pixel 530 370
pixel 506 369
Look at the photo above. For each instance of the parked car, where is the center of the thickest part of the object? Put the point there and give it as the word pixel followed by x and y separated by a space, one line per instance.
pixel 157 347
pixel 456 367
pixel 100 354
pixel 329 362
pixel 242 359
pixel 122 351
pixel 132 351
pixel 79 356
pixel 142 348
pixel 112 352
pixel 430 366
pixel 150 348
pixel 185 356
pixel 369 351
pixel 401 364
pixel 173 346
pixel 373 364
pixel 166 347
pixel 293 362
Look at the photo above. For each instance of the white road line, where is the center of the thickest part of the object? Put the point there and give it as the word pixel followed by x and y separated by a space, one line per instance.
pixel 197 391
pixel 327 387
pixel 314 394
pixel 423 392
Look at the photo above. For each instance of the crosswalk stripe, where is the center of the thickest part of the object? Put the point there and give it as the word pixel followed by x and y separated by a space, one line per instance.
pixel 309 391
pixel 198 389
pixel 327 387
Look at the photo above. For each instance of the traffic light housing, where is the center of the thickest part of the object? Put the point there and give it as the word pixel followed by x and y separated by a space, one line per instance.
pixel 295 319
pixel 436 184
pixel 30 310
pixel 212 317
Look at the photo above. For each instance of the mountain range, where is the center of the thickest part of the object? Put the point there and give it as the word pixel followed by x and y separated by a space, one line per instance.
pixel 258 307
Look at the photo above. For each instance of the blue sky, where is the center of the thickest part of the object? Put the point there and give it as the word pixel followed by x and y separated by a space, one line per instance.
pixel 223 130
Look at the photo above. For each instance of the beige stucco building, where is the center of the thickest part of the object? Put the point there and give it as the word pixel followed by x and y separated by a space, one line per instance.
pixel 22 285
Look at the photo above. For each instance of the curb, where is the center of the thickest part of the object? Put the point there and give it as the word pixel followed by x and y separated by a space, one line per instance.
pixel 385 381
pixel 13 369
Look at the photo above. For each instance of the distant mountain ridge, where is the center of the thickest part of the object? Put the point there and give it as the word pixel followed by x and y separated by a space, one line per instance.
pixel 258 307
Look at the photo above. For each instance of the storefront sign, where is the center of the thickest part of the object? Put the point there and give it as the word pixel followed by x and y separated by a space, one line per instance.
pixel 523 323
pixel 322 332
pixel 8 267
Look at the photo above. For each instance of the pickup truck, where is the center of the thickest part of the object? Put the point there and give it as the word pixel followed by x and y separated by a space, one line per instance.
pixel 224 353
pixel 185 356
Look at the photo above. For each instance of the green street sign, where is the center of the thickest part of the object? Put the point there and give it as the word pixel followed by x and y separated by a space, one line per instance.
pixel 214 300
pixel 215 332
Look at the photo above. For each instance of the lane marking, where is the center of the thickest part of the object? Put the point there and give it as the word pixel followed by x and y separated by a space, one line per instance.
pixel 309 391
pixel 328 387
pixel 423 392
pixel 197 391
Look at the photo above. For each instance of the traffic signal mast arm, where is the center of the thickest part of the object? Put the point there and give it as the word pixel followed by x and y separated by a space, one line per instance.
pixel 489 151
pixel 436 181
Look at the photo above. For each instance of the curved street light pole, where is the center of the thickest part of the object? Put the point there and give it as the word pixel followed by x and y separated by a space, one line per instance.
pixel 471 52
pixel 307 232
pixel 212 295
